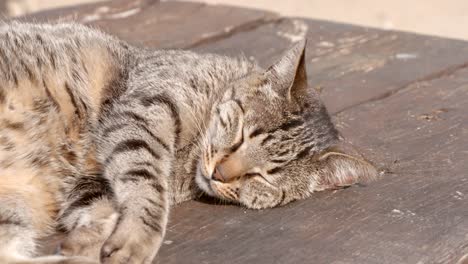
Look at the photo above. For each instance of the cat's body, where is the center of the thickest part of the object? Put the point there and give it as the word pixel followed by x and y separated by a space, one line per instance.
pixel 99 138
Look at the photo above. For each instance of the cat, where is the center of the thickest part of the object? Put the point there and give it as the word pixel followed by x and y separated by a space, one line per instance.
pixel 99 138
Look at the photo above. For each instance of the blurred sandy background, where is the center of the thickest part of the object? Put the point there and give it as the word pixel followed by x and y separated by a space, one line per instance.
pixel 447 18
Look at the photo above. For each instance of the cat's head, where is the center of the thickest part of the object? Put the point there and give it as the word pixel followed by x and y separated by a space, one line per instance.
pixel 271 140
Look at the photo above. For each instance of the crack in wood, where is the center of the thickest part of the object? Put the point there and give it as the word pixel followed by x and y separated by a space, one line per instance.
pixel 230 31
pixel 430 77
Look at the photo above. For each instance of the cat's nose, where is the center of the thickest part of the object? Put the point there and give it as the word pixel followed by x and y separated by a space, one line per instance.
pixel 228 170
pixel 218 174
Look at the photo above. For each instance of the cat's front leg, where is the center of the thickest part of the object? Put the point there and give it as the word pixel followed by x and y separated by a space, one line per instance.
pixel 140 189
pixel 88 219
pixel 137 150
pixel 138 234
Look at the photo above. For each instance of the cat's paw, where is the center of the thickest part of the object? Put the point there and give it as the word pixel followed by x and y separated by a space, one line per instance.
pixel 83 242
pixel 87 240
pixel 130 244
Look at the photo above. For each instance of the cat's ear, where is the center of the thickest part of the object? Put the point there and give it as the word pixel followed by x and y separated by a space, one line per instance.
pixel 340 168
pixel 288 74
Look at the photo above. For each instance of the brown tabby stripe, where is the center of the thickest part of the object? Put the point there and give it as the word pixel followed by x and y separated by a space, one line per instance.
pixel 274 170
pixel 154 204
pixel 194 166
pixel 278 161
pixel 212 151
pixel 132 115
pixel 84 67
pixel 154 225
pixel 52 59
pixel 83 105
pixel 253 174
pixel 112 128
pixel 291 124
pixel 15 78
pixel 30 74
pixel 256 132
pixel 283 196
pixel 122 210
pixel 141 123
pixel 138 174
pixel 114 89
pixel 223 123
pixel 229 121
pixel 7 144
pixel 40 161
pixel 157 186
pixel 87 189
pixel 167 101
pixel 143 163
pixel 152 215
pixel 305 152
pixel 147 164
pixel 231 193
pixel 239 103
pixel 193 85
pixel 39 62
pixel 254 200
pixel 49 95
pixel 42 105
pixel 237 145
pixel 2 97
pixel 130 145
pixel 265 140
pixel 69 155
pixel 73 99
pixel 13 125
pixel 233 94
pixel 39 39
pixel 86 199
pixel 10 221
pixel 3 56
pixel 76 75
pixel 207 156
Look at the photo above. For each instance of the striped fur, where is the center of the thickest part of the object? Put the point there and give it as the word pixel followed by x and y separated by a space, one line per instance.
pixel 99 138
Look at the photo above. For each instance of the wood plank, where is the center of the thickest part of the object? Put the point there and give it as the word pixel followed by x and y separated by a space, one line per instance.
pixel 421 132
pixel 158 24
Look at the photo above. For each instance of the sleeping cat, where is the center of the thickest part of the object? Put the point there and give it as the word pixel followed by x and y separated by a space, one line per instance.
pixel 99 138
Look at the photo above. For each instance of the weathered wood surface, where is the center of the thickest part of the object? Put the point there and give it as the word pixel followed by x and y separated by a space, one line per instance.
pixel 403 98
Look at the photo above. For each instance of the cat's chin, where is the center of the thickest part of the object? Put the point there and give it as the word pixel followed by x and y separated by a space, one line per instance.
pixel 203 183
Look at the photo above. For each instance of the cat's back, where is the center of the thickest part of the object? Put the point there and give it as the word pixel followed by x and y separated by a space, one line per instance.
pixel 32 53
pixel 52 81
pixel 59 63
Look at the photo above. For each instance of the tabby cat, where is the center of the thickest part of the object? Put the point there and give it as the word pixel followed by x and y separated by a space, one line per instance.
pixel 99 138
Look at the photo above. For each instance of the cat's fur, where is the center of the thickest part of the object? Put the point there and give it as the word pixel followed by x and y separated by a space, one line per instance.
pixel 99 138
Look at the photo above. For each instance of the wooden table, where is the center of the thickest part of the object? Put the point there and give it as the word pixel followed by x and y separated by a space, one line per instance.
pixel 402 97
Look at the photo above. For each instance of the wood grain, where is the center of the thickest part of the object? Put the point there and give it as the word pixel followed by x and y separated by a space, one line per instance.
pixel 403 98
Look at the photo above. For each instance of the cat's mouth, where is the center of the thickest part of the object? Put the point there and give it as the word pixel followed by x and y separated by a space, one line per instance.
pixel 203 182
pixel 215 188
